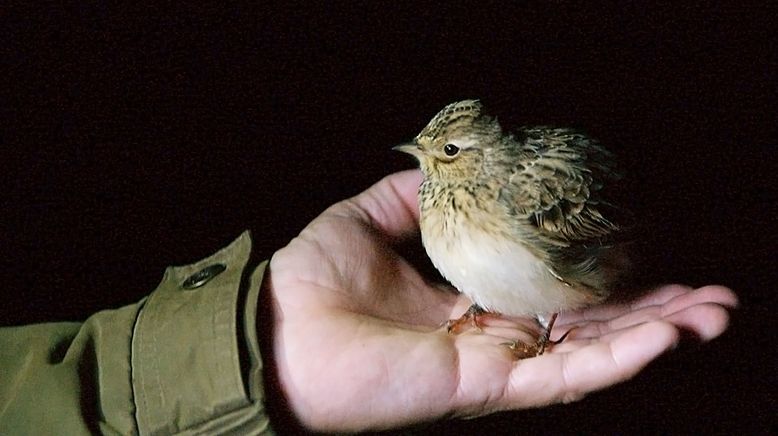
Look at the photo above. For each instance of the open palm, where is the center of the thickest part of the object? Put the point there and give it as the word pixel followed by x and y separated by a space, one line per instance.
pixel 359 342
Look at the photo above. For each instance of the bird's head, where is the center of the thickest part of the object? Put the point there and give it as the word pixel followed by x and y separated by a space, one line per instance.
pixel 453 142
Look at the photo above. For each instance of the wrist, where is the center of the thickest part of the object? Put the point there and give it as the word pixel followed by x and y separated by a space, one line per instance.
pixel 277 402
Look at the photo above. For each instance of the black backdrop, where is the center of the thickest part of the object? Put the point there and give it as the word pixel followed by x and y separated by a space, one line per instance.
pixel 134 138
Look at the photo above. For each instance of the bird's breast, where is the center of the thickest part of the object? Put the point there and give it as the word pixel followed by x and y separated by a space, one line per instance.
pixel 477 250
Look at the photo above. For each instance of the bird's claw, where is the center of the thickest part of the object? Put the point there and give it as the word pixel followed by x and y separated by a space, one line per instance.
pixel 472 316
pixel 522 350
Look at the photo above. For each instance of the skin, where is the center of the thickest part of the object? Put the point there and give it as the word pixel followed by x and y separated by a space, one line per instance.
pixel 358 343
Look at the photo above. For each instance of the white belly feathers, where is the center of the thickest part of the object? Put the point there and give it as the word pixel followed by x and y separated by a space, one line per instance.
pixel 495 273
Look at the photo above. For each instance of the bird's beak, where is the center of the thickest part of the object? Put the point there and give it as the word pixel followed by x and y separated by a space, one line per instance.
pixel 411 148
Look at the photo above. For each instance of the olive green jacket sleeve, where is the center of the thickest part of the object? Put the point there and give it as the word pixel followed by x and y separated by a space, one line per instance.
pixel 184 360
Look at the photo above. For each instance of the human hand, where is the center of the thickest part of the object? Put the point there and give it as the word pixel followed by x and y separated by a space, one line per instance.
pixel 359 342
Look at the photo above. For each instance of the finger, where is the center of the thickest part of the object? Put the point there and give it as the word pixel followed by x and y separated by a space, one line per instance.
pixel 661 295
pixel 707 294
pixel 609 311
pixel 600 329
pixel 673 297
pixel 702 312
pixel 566 377
pixel 718 296
pixel 389 205
pixel 706 321
pixel 591 314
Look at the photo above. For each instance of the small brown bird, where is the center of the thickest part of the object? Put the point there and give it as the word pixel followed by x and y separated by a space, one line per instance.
pixel 520 223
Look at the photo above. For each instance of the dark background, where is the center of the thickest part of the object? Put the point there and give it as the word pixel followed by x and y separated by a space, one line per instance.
pixel 137 138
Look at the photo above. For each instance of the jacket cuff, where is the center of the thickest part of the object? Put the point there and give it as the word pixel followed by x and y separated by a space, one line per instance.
pixel 196 365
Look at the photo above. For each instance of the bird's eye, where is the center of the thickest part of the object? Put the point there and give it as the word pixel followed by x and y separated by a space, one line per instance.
pixel 450 149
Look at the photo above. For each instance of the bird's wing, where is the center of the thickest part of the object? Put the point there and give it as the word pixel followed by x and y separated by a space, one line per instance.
pixel 557 185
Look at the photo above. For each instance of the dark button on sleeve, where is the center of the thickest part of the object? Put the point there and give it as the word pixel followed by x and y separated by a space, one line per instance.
pixel 203 276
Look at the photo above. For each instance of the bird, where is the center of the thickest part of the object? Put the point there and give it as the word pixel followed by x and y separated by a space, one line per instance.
pixel 520 222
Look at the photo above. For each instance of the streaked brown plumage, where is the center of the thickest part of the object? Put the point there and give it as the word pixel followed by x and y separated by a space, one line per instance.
pixel 520 223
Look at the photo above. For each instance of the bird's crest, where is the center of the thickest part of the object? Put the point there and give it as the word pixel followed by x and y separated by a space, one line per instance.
pixel 465 109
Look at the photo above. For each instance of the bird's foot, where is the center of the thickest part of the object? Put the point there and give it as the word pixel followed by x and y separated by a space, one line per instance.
pixel 523 350
pixel 472 317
